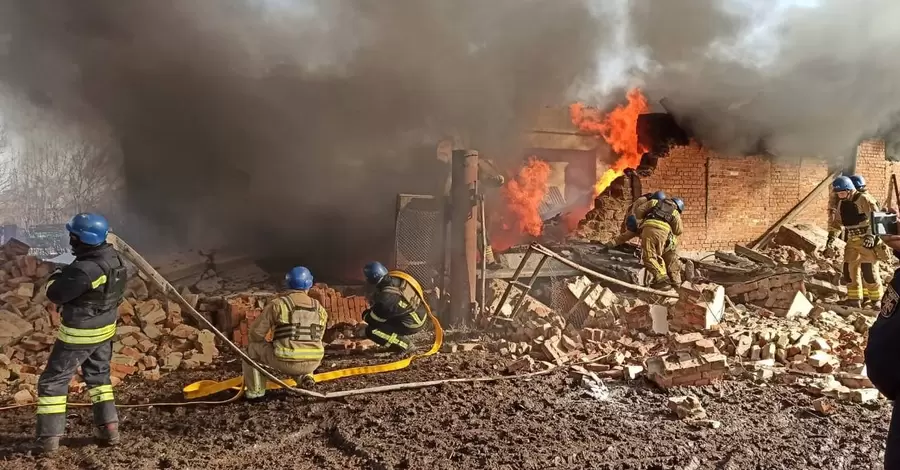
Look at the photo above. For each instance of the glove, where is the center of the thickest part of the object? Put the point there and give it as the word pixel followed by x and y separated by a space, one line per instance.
pixel 501 180
pixel 869 241
pixel 829 244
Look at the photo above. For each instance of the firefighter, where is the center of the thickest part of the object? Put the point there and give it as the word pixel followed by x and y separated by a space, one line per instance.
pixel 882 350
pixel 861 251
pixel 660 225
pixel 89 290
pixel 629 233
pixel 297 323
pixel 396 308
pixel 859 183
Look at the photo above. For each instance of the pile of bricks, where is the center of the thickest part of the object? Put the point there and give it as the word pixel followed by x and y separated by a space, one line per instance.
pixel 343 311
pixel 776 293
pixel 151 337
pixel 694 340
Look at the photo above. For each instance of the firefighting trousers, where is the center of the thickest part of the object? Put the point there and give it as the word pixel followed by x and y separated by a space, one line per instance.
pixel 53 385
pixel 394 333
pixel 673 265
pixel 861 271
pixel 264 353
pixel 653 246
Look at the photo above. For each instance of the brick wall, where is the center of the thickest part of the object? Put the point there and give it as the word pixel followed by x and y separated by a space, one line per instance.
pixel 870 163
pixel 733 200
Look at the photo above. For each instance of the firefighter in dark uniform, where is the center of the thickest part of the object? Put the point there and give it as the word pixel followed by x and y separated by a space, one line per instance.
pixel 882 353
pixel 396 310
pixel 89 291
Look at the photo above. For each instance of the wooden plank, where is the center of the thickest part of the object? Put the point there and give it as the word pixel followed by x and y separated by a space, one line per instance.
pixel 754 255
pixel 766 237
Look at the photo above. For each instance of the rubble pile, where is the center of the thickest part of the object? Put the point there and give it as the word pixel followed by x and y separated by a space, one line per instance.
pixel 603 223
pixel 151 338
pixel 761 329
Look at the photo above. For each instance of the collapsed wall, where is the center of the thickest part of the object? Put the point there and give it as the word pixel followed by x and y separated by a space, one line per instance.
pixel 734 200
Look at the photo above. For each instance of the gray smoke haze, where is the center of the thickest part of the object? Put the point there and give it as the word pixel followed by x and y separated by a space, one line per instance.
pixel 285 127
pixel 791 77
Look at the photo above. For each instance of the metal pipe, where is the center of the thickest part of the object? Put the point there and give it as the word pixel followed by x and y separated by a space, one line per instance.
pixel 471 234
pixel 484 249
pixel 527 289
pixel 546 251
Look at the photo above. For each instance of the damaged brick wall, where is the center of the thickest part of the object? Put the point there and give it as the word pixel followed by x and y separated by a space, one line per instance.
pixel 871 163
pixel 733 200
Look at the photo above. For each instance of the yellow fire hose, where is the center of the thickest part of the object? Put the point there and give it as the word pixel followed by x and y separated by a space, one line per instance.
pixel 205 388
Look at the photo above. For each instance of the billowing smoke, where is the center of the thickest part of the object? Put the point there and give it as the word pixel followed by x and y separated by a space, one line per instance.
pixel 288 128
pixel 789 77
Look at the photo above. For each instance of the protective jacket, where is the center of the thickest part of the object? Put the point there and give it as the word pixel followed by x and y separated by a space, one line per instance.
pixel 852 214
pixel 90 291
pixel 297 322
pixel 660 214
pixel 396 300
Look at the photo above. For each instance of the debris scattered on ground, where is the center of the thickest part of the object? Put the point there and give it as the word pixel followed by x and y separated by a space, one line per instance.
pixel 687 407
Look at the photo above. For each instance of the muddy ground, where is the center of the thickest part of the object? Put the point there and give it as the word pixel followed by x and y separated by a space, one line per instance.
pixel 539 423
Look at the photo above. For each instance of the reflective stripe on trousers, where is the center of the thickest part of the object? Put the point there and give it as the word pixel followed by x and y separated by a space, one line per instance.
pixel 86 335
pixel 51 405
pixel 101 393
pixel 309 354
pixel 391 338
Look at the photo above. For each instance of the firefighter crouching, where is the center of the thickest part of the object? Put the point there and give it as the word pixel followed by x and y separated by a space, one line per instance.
pixel 89 290
pixel 660 224
pixel 863 248
pixel 628 229
pixel 396 308
pixel 297 323
pixel 882 351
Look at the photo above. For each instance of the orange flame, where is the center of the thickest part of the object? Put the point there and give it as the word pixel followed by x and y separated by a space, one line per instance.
pixel 521 214
pixel 619 129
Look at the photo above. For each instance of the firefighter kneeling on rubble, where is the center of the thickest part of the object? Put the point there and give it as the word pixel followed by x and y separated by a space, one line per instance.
pixel 882 351
pixel 396 308
pixel 660 225
pixel 297 322
pixel 89 290
pixel 863 249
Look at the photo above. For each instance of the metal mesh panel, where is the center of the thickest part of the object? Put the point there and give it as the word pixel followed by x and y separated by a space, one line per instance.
pixel 418 237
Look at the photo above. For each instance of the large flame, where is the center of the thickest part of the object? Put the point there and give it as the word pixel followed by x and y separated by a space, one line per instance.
pixel 521 212
pixel 619 129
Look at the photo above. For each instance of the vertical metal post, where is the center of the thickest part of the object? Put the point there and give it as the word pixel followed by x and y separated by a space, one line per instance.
pixel 463 235
pixel 484 247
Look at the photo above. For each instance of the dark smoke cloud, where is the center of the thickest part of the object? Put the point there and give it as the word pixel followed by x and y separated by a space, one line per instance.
pixel 771 76
pixel 288 128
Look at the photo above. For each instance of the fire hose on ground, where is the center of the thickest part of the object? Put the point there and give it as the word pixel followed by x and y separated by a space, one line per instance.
pixel 166 288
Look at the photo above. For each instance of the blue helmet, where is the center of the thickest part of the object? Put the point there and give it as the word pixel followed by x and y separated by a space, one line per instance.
pixel 659 196
pixel 299 278
pixel 679 204
pixel 374 272
pixel 842 183
pixel 858 182
pixel 631 223
pixel 90 229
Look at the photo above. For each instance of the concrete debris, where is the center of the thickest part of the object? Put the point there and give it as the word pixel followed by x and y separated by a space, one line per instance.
pixel 823 406
pixel 687 407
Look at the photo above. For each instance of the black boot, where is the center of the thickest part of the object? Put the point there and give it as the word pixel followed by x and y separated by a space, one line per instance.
pixel 107 435
pixel 46 445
